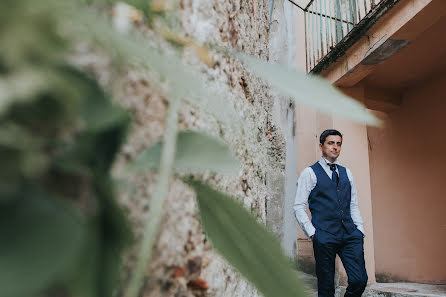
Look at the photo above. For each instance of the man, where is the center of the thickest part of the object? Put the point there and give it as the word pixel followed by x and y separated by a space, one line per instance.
pixel 336 226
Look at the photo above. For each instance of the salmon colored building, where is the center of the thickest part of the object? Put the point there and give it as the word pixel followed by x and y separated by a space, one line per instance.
pixel 391 56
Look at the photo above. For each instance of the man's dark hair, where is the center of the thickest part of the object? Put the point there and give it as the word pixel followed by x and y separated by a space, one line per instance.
pixel 328 133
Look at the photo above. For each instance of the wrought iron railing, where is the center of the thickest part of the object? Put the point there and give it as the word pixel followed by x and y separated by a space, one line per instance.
pixel 327 22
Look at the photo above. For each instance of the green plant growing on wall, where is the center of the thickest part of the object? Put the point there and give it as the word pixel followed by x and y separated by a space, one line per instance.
pixel 61 229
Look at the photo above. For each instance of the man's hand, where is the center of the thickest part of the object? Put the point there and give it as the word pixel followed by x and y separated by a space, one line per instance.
pixel 312 237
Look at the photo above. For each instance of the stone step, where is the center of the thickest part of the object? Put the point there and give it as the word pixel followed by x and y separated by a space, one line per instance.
pixel 382 289
pixel 399 290
pixel 405 290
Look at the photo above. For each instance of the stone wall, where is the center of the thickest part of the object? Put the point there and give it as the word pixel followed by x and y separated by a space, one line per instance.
pixel 183 257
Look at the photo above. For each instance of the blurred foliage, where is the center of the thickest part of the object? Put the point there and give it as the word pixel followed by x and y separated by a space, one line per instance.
pixel 248 246
pixel 195 152
pixel 60 227
pixel 310 90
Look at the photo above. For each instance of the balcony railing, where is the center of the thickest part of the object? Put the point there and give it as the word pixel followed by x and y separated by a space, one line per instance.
pixel 328 22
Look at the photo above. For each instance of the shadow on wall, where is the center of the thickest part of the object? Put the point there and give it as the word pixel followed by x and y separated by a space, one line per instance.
pixel 388 278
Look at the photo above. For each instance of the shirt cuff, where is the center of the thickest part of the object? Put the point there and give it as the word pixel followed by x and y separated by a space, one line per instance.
pixel 310 231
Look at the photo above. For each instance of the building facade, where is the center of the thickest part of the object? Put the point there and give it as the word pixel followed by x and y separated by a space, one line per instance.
pixel 391 56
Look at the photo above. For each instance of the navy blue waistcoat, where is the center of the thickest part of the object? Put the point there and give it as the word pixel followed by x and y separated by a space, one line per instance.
pixel 330 203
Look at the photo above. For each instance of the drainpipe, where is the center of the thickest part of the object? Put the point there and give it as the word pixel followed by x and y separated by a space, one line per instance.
pixel 271 5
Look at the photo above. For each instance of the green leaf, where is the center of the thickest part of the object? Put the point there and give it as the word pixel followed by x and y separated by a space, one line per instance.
pixel 246 244
pixel 84 278
pixel 143 5
pixel 50 110
pixel 23 86
pixel 310 90
pixel 20 87
pixel 103 129
pixel 29 34
pixel 21 154
pixel 153 218
pixel 115 232
pixel 16 137
pixel 40 238
pixel 96 271
pixel 97 110
pixel 196 152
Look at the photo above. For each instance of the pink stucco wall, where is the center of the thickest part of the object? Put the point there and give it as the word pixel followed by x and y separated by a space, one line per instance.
pixel 408 187
pixel 399 169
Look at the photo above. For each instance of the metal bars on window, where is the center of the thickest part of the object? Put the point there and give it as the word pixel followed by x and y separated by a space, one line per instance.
pixel 327 22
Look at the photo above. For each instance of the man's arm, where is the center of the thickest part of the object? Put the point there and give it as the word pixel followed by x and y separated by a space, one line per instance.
pixel 354 206
pixel 305 184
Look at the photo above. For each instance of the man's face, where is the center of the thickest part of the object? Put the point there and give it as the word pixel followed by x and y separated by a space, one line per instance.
pixel 331 147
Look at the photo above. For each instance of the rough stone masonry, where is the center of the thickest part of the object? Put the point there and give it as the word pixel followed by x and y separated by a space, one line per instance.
pixel 184 264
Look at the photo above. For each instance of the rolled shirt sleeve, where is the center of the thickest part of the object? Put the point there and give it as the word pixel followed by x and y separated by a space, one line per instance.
pixel 305 184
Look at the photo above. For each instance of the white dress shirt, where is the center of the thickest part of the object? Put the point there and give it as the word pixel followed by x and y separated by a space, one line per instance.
pixel 306 183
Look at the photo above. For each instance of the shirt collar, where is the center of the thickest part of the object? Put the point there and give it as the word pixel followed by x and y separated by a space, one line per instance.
pixel 324 161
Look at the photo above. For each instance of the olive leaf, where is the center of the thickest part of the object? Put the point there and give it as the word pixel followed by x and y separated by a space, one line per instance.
pixel 195 152
pixel 40 236
pixel 311 90
pixel 246 244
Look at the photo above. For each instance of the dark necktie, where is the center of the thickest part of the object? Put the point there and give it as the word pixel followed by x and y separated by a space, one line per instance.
pixel 334 174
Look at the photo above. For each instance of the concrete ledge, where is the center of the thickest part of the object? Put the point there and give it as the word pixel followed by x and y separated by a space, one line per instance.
pixel 405 22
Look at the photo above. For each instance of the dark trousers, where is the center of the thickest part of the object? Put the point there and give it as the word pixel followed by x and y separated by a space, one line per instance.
pixel 350 248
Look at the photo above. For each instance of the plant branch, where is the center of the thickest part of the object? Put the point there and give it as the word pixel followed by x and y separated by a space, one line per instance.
pixel 155 214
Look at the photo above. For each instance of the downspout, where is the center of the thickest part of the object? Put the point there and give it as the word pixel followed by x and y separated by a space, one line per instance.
pixel 271 5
